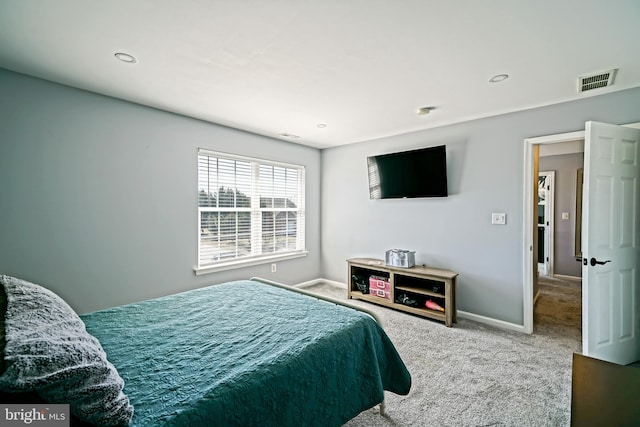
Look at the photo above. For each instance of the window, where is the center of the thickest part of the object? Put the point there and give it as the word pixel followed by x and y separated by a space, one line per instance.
pixel 249 210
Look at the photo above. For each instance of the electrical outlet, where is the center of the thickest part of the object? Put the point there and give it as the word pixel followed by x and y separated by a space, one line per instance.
pixel 274 268
pixel 499 218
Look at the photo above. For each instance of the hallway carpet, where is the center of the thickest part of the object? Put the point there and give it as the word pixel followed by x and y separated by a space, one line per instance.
pixel 559 308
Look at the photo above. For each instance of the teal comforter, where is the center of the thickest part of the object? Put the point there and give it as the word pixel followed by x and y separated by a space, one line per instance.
pixel 247 354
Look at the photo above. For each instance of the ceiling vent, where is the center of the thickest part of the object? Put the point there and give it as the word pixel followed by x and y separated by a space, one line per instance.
pixel 596 81
pixel 289 135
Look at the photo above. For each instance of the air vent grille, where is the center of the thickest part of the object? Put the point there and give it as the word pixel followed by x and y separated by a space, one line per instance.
pixel 596 81
pixel 289 135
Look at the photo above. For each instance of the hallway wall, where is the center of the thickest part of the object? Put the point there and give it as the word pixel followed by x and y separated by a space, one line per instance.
pixel 565 167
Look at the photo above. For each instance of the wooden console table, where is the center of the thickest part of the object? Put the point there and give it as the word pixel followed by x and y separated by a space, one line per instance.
pixel 418 283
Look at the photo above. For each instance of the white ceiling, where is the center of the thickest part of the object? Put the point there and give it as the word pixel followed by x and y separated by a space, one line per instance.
pixel 360 67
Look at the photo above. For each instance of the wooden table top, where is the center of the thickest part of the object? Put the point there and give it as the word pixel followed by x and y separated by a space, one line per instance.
pixel 604 393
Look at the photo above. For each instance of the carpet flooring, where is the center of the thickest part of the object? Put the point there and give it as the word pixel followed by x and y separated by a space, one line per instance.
pixel 477 375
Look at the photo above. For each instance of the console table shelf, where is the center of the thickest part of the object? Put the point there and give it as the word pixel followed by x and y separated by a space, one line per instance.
pixel 419 283
pixel 419 291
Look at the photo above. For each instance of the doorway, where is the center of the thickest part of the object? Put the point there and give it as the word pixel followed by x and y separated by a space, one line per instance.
pixel 533 147
pixel 609 252
pixel 546 225
pixel 558 290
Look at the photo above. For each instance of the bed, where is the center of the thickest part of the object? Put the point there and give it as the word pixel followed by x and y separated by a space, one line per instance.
pixel 243 353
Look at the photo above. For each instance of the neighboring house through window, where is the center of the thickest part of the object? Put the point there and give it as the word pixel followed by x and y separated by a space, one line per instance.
pixel 250 211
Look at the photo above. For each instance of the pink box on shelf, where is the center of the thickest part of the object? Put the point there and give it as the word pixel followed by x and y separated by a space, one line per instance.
pixel 380 287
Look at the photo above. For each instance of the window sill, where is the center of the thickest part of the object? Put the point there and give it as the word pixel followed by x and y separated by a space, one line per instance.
pixel 230 265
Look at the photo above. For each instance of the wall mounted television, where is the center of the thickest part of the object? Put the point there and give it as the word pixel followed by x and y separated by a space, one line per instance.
pixel 409 174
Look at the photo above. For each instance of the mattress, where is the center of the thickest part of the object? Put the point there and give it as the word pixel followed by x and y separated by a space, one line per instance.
pixel 246 353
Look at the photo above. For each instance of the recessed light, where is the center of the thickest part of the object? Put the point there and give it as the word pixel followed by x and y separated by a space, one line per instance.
pixel 498 78
pixel 423 111
pixel 125 57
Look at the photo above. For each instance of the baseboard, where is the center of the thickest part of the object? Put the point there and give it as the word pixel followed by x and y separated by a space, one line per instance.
pixel 491 321
pixel 308 283
pixel 535 299
pixel 461 314
pixel 569 278
pixel 321 280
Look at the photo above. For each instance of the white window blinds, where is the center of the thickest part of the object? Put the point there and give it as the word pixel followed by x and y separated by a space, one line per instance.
pixel 248 208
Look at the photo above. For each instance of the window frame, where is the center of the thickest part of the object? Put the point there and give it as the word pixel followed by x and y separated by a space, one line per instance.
pixel 256 257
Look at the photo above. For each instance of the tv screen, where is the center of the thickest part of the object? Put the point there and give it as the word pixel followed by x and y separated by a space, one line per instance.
pixel 409 174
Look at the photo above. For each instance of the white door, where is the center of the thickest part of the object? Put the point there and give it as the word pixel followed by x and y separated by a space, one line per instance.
pixel 611 243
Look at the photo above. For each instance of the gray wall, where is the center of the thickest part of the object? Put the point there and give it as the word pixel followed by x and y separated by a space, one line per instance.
pixel 485 161
pixel 565 167
pixel 98 195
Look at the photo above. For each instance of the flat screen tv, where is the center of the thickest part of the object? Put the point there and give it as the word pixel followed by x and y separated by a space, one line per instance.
pixel 409 174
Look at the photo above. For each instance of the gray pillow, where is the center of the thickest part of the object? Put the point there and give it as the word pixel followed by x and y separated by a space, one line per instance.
pixel 49 351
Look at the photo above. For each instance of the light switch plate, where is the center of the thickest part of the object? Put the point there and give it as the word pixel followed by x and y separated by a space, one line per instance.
pixel 499 218
pixel 565 215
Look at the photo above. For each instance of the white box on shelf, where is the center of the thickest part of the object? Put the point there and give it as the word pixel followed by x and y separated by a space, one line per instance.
pixel 400 258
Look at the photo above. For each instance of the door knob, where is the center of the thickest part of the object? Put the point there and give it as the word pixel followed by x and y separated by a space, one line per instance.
pixel 594 261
